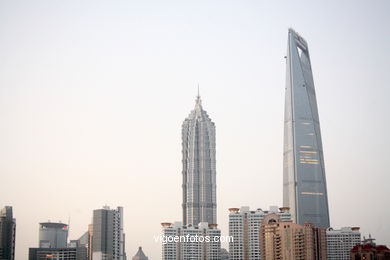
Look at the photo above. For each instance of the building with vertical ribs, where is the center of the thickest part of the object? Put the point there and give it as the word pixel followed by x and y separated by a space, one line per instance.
pixel 199 171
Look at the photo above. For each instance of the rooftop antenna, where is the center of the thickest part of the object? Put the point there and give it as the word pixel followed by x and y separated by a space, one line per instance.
pixel 198 101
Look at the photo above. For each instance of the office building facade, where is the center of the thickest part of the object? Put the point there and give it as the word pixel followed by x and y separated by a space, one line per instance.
pixel 53 235
pixel 341 241
pixel 75 253
pixel 304 182
pixel 7 234
pixel 108 237
pixel 53 244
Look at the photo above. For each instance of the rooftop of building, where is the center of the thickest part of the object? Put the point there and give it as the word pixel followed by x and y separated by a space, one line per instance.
pixel 53 225
pixel 370 247
pixel 179 224
pixel 140 255
pixel 344 230
pixel 272 209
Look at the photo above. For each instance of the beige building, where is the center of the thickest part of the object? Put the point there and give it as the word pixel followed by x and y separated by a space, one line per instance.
pixel 189 242
pixel 285 240
pixel 244 228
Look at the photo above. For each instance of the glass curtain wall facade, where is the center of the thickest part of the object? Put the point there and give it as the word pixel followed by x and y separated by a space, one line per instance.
pixel 304 183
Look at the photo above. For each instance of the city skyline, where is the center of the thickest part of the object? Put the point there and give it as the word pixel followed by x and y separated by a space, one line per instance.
pixel 93 96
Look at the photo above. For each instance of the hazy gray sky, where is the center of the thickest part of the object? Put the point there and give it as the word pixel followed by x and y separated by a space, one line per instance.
pixel 93 94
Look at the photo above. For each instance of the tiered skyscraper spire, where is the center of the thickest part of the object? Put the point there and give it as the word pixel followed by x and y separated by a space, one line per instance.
pixel 199 172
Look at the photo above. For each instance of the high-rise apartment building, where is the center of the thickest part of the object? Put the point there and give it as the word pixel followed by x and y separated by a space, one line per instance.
pixel 244 228
pixel 289 241
pixel 304 182
pixel 341 241
pixel 191 242
pixel 199 171
pixel 108 238
pixel 53 235
pixel 7 234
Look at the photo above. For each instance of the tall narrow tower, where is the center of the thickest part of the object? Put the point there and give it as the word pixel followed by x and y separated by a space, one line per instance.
pixel 199 173
pixel 7 233
pixel 304 183
pixel 108 239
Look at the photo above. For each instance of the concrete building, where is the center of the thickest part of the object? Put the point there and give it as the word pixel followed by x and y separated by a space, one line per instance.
pixel 140 255
pixel 53 235
pixel 84 241
pixel 90 236
pixel 304 182
pixel 191 242
pixel 244 227
pixel 289 241
pixel 53 244
pixel 7 234
pixel 76 253
pixel 341 241
pixel 107 236
pixel 199 171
